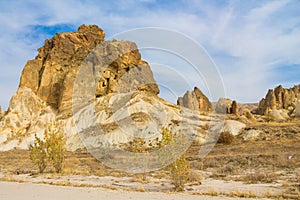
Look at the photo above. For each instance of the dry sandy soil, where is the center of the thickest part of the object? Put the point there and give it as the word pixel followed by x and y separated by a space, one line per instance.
pixel 29 191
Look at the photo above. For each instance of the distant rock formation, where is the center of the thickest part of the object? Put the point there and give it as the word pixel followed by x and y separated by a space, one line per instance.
pixel 195 100
pixel 227 106
pixel 279 98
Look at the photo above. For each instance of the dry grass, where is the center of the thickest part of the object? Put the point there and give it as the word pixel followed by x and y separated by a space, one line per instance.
pixel 260 177
pixel 79 163
pixel 242 194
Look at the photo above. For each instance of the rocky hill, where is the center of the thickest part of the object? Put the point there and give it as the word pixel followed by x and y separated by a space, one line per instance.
pixel 117 95
pixel 280 99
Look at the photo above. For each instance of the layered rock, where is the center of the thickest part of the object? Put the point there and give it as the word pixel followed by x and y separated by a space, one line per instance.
pixel 279 98
pixel 195 100
pixel 117 94
pixel 51 74
pixel 227 106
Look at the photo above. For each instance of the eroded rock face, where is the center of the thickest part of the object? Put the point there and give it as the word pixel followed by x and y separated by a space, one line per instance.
pixel 195 100
pixel 120 69
pixel 51 74
pixel 227 106
pixel 27 115
pixel 124 95
pixel 279 98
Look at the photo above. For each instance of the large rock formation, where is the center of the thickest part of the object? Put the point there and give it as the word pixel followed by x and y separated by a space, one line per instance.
pixel 51 74
pixel 279 98
pixel 117 94
pixel 195 100
pixel 227 106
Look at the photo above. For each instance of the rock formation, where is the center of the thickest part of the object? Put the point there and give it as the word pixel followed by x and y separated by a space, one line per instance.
pixel 120 85
pixel 1 113
pixel 51 74
pixel 195 100
pixel 297 109
pixel 248 115
pixel 227 106
pixel 279 98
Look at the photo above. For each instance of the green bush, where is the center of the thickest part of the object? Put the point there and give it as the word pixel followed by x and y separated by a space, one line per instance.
pixel 51 149
pixel 179 170
pixel 55 143
pixel 38 154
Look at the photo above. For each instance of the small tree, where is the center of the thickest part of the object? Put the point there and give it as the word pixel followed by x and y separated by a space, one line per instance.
pixel 38 154
pixel 179 170
pixel 55 143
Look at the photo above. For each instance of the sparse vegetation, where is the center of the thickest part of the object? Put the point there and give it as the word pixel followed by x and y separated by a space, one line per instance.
pixel 272 158
pixel 38 154
pixel 55 144
pixel 51 149
pixel 180 169
pixel 225 138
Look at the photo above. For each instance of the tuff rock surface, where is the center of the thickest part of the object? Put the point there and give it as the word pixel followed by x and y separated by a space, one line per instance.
pixel 195 100
pixel 227 106
pixel 117 95
pixel 278 99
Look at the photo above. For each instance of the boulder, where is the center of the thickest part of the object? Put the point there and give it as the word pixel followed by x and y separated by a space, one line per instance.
pixel 247 113
pixel 233 127
pixel 278 115
pixel 195 100
pixel 250 134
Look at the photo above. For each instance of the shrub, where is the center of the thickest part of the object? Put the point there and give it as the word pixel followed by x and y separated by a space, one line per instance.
pixel 179 170
pixel 226 138
pixel 55 143
pixel 38 154
pixel 51 149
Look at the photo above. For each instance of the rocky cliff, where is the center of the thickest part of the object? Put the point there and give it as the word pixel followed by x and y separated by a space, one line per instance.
pixel 195 100
pixel 279 99
pixel 117 94
pixel 51 74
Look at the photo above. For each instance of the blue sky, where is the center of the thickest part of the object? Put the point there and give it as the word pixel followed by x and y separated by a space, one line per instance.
pixel 254 44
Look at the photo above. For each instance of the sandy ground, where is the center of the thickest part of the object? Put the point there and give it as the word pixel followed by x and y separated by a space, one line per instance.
pixel 152 185
pixel 29 191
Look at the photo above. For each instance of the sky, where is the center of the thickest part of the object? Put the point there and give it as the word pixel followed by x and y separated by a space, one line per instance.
pixel 255 45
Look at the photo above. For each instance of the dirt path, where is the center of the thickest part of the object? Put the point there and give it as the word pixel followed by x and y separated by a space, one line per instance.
pixel 29 191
